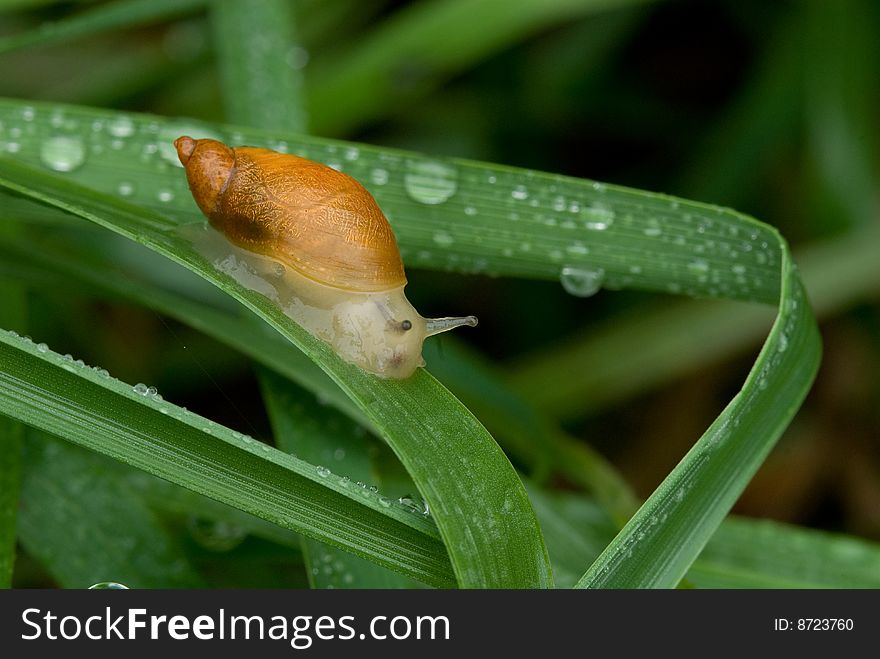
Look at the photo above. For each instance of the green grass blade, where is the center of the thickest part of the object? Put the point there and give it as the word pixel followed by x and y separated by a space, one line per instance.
pixel 256 51
pixel 421 45
pixel 319 435
pixel 658 545
pixel 81 521
pixel 58 396
pixel 13 312
pixel 104 18
pixel 748 553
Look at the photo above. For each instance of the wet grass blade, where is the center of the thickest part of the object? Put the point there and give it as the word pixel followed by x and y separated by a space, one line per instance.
pixel 111 16
pixel 59 396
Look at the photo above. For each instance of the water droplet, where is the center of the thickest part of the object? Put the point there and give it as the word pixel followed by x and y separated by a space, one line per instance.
pixel 430 181
pixel 520 192
pixel 373 489
pixel 345 482
pixel 63 154
pixel 323 472
pixel 379 176
pixel 385 502
pixel 699 266
pixel 141 389
pixel 635 269
pixel 165 195
pixel 783 343
pixel 738 269
pixel 580 281
pixel 108 585
pixel 121 127
pixel 443 239
pixel 152 392
pixel 653 229
pixel 599 217
pixel 577 248
pixel 42 347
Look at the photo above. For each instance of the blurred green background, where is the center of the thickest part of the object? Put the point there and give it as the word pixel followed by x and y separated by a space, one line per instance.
pixel 770 108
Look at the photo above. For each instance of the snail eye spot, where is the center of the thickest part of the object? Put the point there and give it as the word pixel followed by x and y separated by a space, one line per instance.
pixel 406 325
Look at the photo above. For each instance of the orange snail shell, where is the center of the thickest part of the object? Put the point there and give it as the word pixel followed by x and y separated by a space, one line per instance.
pixel 328 229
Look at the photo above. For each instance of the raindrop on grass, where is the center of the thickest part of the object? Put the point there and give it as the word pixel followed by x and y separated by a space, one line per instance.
pixel 430 181
pixel 63 154
pixel 581 282
pixel 108 585
pixel 141 389
pixel 323 472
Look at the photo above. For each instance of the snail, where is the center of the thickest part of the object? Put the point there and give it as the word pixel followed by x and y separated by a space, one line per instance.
pixel 318 244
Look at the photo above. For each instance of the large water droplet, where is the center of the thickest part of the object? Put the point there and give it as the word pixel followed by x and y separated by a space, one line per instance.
pixel 121 127
pixel 430 181
pixel 63 154
pixel 599 217
pixel 108 585
pixel 443 239
pixel 580 281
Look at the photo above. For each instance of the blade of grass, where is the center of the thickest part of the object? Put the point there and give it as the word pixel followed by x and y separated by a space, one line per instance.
pixel 659 543
pixel 84 525
pixel 258 70
pixel 421 45
pixel 453 460
pixel 104 18
pixel 13 312
pixel 61 397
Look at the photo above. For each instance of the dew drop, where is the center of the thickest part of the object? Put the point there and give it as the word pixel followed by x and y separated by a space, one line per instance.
pixel 141 389
pixel 323 472
pixel 165 195
pixel 699 266
pixel 125 189
pixel 430 181
pixel 379 176
pixel 582 282
pixel 599 217
pixel 783 343
pixel 108 585
pixel 121 127
pixel 520 192
pixel 443 239
pixel 42 347
pixel 63 154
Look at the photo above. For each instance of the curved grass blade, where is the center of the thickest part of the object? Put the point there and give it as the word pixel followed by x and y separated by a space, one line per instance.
pixel 76 402
pixel 659 543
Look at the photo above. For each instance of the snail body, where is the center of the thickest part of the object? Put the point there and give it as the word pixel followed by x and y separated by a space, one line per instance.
pixel 315 241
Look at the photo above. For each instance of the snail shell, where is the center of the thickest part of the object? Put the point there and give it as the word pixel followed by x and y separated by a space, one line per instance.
pixel 323 245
